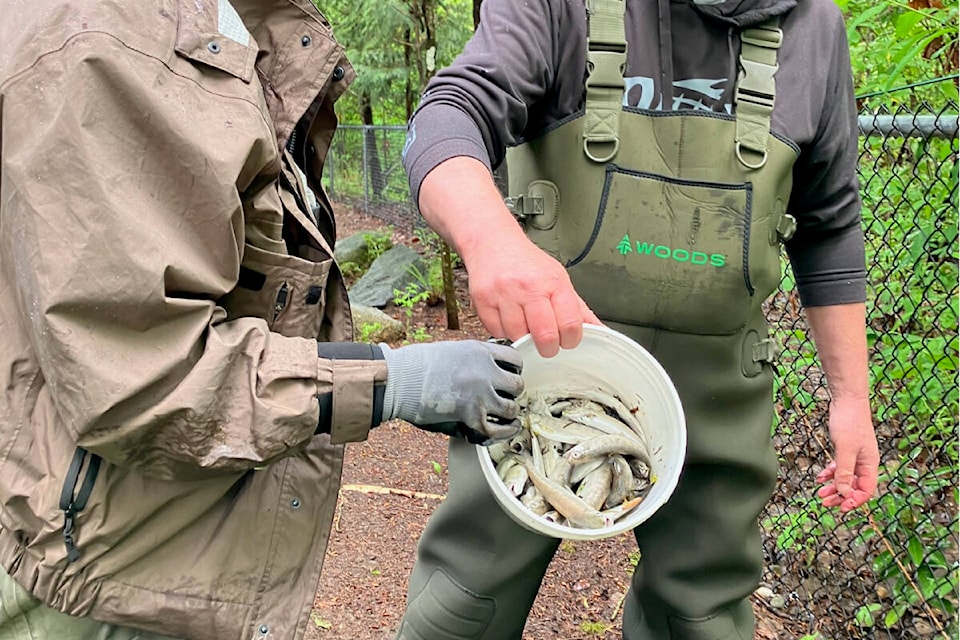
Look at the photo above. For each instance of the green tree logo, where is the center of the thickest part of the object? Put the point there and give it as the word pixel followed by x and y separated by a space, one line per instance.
pixel 625 246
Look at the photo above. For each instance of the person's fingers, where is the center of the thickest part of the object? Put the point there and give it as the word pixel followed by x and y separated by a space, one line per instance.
pixel 835 500
pixel 568 309
pixel 490 318
pixel 863 489
pixel 513 320
pixel 854 500
pixel 500 431
pixel 541 322
pixel 506 357
pixel 867 473
pixel 826 491
pixel 856 492
pixel 843 474
pixel 827 473
pixel 502 410
pixel 589 317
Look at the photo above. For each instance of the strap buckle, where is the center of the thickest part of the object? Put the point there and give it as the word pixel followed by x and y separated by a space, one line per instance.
pixel 523 206
pixel 605 69
pixel 786 227
pixel 763 37
pixel 757 84
pixel 766 350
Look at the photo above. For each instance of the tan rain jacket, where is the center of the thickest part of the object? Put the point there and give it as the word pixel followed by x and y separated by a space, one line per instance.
pixel 162 290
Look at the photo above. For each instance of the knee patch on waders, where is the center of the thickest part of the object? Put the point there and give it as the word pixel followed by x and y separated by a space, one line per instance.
pixel 446 610
pixel 717 627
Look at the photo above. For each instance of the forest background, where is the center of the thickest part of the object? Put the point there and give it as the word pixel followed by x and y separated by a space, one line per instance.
pixel 397 45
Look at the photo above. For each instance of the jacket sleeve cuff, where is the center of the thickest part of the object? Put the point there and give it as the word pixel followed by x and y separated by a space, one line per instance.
pixel 438 133
pixel 351 387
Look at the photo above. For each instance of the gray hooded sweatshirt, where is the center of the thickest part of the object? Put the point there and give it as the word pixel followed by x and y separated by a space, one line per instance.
pixel 524 70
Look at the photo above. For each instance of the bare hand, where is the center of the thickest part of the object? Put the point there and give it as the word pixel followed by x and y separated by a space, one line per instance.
pixel 852 476
pixel 521 290
pixel 516 288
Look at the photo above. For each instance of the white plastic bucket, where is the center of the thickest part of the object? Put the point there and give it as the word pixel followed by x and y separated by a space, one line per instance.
pixel 610 360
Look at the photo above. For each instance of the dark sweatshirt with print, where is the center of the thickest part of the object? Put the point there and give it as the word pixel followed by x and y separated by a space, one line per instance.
pixel 524 70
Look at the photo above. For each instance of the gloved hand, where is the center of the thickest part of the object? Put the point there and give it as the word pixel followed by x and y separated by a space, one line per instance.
pixel 461 388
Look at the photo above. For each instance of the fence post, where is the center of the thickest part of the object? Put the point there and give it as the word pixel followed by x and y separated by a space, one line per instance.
pixel 366 185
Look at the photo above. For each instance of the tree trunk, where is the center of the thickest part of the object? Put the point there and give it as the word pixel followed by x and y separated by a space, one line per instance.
pixel 371 153
pixel 408 93
pixel 424 14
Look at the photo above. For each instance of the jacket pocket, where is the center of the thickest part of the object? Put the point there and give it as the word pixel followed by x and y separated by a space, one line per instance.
pixel 669 253
pixel 286 291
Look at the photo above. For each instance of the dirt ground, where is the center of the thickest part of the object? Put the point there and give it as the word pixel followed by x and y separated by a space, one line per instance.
pixel 392 483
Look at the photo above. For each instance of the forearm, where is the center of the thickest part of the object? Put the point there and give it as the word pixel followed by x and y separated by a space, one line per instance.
pixel 460 201
pixel 851 476
pixel 839 332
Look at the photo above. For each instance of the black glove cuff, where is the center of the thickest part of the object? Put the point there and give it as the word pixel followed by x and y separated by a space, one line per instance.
pixel 348 351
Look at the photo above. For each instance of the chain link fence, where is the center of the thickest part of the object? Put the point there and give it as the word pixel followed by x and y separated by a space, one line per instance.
pixel 888 570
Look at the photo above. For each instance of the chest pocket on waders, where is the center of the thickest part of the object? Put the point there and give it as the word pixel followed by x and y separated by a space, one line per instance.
pixel 680 250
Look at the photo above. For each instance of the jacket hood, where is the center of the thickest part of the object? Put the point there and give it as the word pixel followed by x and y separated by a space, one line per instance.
pixel 743 13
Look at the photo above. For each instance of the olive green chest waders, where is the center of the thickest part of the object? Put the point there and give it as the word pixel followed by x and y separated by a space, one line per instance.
pixel 670 224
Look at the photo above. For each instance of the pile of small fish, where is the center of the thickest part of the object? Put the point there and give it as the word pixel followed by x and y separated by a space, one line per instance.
pixel 581 460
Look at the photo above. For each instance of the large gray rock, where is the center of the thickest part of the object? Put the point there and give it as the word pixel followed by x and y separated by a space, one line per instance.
pixel 388 272
pixel 372 325
pixel 352 249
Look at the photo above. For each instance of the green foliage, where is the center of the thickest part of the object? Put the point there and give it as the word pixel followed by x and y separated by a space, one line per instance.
pixel 319 621
pixel 407 299
pixel 802 527
pixel 431 282
pixel 381 39
pixel 420 334
pixel 914 305
pixel 905 513
pixel 351 270
pixel 431 279
pixel 894 44
pixel 910 214
pixel 594 628
pixel 368 330
pixel 793 383
pixel 378 242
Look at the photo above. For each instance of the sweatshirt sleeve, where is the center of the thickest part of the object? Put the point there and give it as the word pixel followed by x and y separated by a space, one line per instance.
pixel 481 102
pixel 827 252
pixel 122 228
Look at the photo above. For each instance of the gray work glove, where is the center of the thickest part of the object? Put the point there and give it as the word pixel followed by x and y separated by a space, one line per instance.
pixel 461 388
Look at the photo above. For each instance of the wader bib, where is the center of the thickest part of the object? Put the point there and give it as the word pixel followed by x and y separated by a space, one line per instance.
pixel 670 225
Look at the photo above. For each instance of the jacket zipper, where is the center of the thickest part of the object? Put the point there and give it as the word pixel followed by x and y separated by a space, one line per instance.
pixel 292 141
pixel 72 504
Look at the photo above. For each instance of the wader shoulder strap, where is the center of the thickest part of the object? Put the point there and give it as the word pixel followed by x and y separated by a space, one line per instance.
pixel 606 58
pixel 756 91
